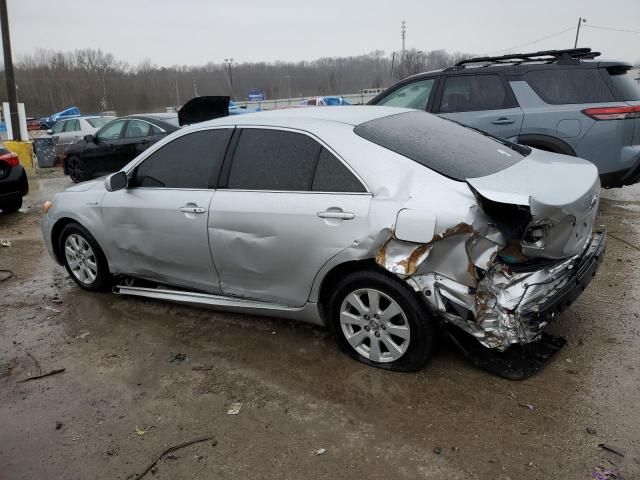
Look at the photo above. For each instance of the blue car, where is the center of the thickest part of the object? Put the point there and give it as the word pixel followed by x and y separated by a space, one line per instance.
pixel 47 122
pixel 236 110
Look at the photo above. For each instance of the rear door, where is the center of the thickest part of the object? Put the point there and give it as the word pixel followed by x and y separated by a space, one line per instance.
pixel 482 101
pixel 288 205
pixel 159 223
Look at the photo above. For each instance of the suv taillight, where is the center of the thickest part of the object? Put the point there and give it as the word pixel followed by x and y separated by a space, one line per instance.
pixel 10 158
pixel 613 113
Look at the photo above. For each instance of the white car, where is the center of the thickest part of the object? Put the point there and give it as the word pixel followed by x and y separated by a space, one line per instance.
pixel 70 130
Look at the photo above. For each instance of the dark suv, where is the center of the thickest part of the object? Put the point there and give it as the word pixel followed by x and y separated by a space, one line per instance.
pixel 562 101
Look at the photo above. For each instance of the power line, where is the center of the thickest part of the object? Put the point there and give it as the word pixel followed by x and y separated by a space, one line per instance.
pixel 611 29
pixel 534 41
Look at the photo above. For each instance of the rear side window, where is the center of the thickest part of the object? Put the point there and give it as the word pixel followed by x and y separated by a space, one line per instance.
pixel 189 161
pixel 333 176
pixel 413 95
pixel 137 129
pixel 446 147
pixel 472 93
pixel 571 85
pixel 273 160
pixel 72 126
pixel 626 88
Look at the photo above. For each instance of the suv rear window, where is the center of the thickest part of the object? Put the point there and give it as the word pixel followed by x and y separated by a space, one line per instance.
pixel 625 87
pixel 448 148
pixel 570 85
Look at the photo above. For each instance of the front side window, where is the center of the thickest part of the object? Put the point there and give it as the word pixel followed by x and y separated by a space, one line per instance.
pixel 136 129
pixel 57 128
pixel 559 86
pixel 414 95
pixel 111 131
pixel 273 160
pixel 472 93
pixel 189 161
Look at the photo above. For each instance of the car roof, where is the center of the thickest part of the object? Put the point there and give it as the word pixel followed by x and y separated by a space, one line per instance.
pixel 296 117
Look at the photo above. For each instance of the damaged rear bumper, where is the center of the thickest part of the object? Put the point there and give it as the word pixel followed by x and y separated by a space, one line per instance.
pixel 510 307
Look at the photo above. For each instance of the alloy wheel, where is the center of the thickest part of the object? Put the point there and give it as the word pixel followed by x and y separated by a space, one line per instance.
pixel 81 259
pixel 375 325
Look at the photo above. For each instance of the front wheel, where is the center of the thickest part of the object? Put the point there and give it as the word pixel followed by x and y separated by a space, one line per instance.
pixel 379 321
pixel 77 169
pixel 83 258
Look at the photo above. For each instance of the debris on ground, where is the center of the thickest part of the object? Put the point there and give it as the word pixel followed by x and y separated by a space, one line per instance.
pixel 202 368
pixel 604 473
pixel 5 275
pixel 84 335
pixel 52 372
pixel 527 405
pixel 58 425
pixel 612 449
pixel 5 243
pixel 320 451
pixel 51 309
pixel 591 431
pixel 437 450
pixel 178 358
pixel 234 409
pixel 167 452
pixel 140 431
pixel 36 363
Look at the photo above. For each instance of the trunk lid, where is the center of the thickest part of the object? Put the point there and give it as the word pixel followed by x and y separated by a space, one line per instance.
pixel 561 193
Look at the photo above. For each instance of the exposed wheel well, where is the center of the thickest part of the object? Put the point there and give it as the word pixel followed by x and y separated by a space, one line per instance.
pixel 547 143
pixel 55 235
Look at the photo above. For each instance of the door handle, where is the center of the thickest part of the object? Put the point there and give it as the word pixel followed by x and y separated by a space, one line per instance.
pixel 187 209
pixel 334 214
pixel 503 121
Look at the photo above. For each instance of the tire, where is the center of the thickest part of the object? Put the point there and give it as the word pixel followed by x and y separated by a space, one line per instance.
pixel 83 258
pixel 12 205
pixel 77 169
pixel 358 330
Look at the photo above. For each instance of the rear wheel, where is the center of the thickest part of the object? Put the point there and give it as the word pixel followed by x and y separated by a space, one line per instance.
pixel 77 169
pixel 379 321
pixel 83 258
pixel 11 205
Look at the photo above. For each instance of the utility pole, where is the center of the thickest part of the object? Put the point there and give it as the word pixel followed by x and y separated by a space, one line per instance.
pixel 580 22
pixel 403 34
pixel 8 71
pixel 228 62
pixel 177 90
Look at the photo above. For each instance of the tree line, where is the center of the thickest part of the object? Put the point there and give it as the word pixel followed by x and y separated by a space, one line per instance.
pixel 93 80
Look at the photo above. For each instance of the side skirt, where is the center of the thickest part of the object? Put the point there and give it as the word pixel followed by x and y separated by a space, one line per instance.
pixel 308 313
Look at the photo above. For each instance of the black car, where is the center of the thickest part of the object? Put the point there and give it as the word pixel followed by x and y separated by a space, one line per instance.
pixel 116 144
pixel 13 181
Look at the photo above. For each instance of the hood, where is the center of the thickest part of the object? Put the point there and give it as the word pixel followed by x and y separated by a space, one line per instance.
pixel 543 178
pixel 200 109
pixel 546 203
pixel 84 186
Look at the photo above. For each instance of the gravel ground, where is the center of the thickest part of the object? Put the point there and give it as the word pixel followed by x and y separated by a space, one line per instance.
pixel 128 393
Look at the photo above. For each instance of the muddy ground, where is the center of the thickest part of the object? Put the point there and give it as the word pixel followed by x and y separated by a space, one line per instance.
pixel 122 400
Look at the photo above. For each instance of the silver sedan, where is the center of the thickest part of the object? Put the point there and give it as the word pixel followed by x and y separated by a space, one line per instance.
pixel 383 224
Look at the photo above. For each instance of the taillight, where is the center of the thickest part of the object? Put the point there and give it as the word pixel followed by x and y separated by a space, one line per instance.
pixel 10 158
pixel 613 113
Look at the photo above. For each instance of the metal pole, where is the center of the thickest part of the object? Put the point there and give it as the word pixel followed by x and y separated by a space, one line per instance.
pixel 177 91
pixel 8 71
pixel 575 45
pixel 231 80
pixel 393 58
pixel 288 77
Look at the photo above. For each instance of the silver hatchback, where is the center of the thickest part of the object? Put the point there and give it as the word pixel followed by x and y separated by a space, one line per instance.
pixel 383 224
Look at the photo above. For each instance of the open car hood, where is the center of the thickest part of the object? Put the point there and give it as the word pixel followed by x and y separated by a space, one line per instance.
pixel 543 178
pixel 200 109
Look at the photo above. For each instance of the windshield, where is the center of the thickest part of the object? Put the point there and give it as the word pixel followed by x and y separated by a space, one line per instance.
pixel 98 122
pixel 446 147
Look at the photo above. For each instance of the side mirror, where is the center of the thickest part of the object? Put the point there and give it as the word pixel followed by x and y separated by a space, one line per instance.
pixel 89 138
pixel 117 181
pixel 50 131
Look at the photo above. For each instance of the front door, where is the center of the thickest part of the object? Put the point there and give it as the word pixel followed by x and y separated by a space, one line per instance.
pixel 289 206
pixel 482 101
pixel 101 155
pixel 159 223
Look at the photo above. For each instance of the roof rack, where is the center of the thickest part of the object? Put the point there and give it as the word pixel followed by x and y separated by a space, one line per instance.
pixel 568 56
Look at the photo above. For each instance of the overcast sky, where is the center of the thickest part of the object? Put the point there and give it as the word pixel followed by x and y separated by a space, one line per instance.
pixel 193 32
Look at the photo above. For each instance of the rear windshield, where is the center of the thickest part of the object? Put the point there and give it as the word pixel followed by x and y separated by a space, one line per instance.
pixel 448 148
pixel 626 88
